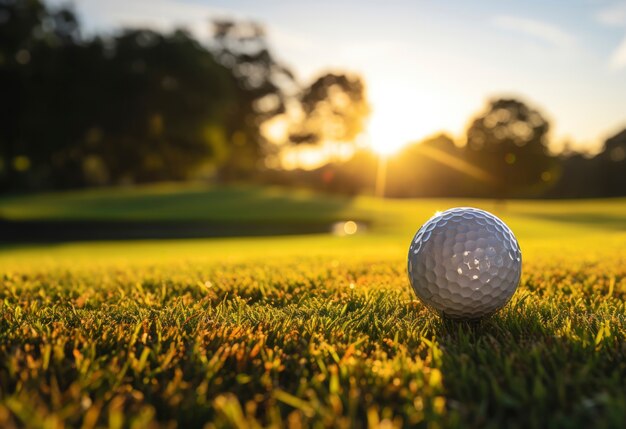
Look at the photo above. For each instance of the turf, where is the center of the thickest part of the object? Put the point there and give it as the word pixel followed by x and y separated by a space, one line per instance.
pixel 316 330
pixel 174 202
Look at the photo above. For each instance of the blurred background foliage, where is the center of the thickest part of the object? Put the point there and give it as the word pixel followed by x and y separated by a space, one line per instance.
pixel 142 106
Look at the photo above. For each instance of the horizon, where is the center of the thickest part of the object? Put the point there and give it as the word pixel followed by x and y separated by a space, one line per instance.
pixel 421 77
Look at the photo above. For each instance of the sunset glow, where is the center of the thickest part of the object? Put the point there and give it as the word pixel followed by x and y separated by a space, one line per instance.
pixel 495 48
pixel 405 112
pixel 385 135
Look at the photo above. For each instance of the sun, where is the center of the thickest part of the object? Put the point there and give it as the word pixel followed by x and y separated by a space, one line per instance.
pixel 386 136
pixel 405 111
pixel 396 121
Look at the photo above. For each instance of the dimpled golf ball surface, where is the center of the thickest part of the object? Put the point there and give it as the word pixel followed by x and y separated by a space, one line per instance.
pixel 464 263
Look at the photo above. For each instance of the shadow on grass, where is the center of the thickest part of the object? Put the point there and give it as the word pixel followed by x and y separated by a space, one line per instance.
pixel 66 231
pixel 526 368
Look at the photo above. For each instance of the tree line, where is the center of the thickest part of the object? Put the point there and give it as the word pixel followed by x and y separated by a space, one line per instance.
pixel 504 154
pixel 143 106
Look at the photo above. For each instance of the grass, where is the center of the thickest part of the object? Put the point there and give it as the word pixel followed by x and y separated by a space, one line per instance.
pixel 174 202
pixel 303 331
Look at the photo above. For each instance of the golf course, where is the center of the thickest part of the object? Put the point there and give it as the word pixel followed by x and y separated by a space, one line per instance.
pixel 326 215
pixel 311 326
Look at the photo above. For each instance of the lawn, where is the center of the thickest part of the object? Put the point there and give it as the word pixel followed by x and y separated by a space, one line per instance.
pixel 312 330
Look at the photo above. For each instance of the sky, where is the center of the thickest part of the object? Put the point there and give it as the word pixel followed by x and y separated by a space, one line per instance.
pixel 430 66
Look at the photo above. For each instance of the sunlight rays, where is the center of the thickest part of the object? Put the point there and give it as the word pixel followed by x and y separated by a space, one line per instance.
pixel 457 164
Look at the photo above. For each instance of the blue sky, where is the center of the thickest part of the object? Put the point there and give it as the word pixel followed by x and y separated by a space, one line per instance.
pixel 430 65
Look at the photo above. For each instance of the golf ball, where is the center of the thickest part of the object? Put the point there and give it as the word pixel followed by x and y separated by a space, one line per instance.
pixel 464 263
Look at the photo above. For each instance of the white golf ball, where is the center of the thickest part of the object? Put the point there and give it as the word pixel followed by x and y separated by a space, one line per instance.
pixel 464 263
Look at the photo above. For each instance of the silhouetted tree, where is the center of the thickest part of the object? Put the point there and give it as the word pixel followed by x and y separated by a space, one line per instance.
pixel 164 99
pixel 263 85
pixel 613 161
pixel 139 106
pixel 577 176
pixel 27 31
pixel 509 141
pixel 144 106
pixel 334 108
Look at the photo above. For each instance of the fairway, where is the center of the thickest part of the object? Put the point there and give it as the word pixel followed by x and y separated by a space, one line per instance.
pixel 306 330
pixel 268 215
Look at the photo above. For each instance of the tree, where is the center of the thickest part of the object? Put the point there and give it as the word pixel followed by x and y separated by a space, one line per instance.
pixel 138 106
pixel 163 102
pixel 263 85
pixel 509 141
pixel 21 30
pixel 613 161
pixel 334 108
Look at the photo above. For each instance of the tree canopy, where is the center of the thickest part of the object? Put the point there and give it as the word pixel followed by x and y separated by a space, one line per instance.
pixel 509 142
pixel 141 105
pixel 334 108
